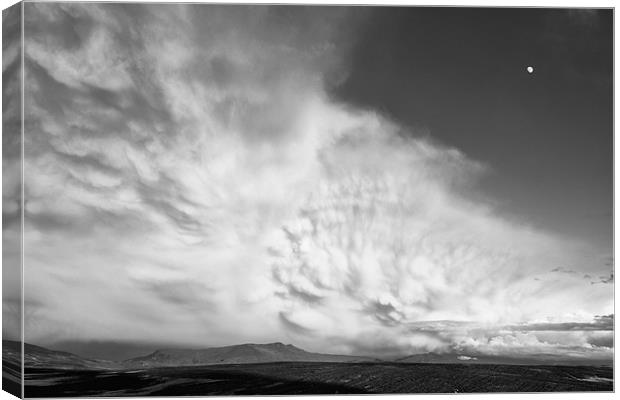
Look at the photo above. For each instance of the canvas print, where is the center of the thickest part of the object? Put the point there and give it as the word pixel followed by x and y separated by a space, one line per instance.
pixel 204 199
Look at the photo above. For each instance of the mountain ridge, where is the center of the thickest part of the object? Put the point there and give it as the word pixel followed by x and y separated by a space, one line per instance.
pixel 38 357
pixel 238 354
pixel 249 353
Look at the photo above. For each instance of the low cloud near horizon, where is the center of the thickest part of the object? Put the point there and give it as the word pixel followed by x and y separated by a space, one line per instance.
pixel 189 180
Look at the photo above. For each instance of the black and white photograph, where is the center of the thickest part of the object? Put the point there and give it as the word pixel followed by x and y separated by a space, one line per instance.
pixel 204 199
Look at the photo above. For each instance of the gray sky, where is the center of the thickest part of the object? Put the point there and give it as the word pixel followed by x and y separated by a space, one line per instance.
pixel 207 175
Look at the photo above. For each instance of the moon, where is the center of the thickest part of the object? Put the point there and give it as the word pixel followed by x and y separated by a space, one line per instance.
pixel 530 70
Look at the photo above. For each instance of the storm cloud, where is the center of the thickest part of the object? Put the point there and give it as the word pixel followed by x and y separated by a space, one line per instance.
pixel 190 180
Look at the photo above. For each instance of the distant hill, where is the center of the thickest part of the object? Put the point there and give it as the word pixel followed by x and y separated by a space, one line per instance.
pixel 238 354
pixel 41 357
pixel 108 350
pixel 537 359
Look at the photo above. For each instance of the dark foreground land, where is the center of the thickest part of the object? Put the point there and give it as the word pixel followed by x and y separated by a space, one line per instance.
pixel 287 378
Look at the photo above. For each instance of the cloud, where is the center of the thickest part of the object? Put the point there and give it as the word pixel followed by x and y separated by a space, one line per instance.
pixel 604 279
pixel 563 270
pixel 522 344
pixel 190 180
pixel 11 173
pixel 600 323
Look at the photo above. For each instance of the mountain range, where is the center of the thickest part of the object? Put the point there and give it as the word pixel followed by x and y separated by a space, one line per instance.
pixel 251 353
pixel 237 354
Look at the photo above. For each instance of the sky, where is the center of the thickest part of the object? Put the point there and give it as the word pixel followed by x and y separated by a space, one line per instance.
pixel 547 136
pixel 349 180
pixel 11 175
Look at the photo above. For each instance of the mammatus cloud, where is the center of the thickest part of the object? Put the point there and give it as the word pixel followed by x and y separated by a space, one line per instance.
pixel 190 180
